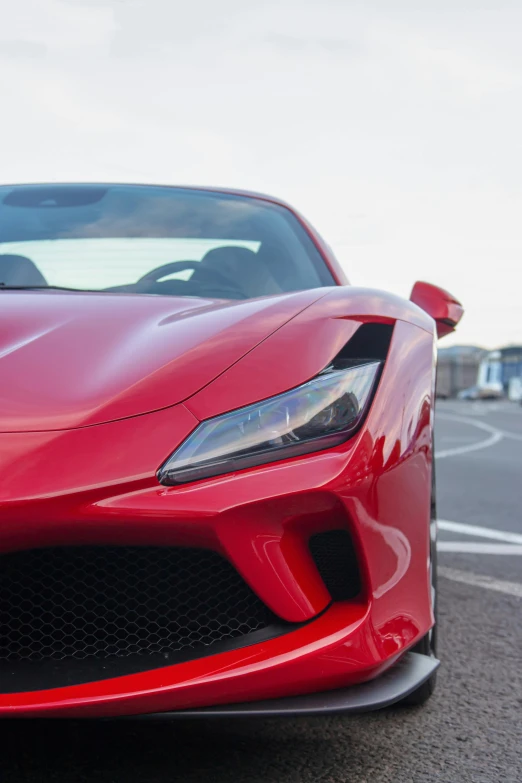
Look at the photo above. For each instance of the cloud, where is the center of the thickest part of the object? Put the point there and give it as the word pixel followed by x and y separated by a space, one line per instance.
pixel 22 50
pixel 51 100
pixel 345 46
pixel 57 24
pixel 477 75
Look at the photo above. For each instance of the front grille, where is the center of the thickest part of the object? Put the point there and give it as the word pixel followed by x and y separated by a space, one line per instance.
pixel 98 602
pixel 334 555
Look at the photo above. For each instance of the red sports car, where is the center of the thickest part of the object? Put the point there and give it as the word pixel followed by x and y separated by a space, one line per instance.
pixel 217 490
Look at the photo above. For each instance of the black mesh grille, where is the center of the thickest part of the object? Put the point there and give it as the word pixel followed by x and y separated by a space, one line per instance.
pixel 336 561
pixel 101 602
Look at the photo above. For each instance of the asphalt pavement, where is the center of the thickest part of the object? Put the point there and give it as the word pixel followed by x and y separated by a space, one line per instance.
pixel 471 730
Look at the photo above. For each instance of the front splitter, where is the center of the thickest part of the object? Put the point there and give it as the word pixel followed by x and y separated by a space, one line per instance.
pixel 394 685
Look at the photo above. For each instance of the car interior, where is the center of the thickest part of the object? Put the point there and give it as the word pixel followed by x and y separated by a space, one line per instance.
pixel 229 272
pixel 18 270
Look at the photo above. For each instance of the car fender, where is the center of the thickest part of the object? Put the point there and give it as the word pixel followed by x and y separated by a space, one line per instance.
pixel 303 347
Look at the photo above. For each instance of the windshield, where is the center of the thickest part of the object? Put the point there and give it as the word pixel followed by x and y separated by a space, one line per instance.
pixel 153 240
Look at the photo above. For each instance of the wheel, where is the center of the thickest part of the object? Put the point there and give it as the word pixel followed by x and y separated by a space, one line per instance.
pixel 428 644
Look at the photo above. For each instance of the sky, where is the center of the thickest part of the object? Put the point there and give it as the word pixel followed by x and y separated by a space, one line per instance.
pixel 395 126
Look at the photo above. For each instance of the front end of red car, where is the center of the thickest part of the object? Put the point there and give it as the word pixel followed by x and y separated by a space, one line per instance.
pixel 294 584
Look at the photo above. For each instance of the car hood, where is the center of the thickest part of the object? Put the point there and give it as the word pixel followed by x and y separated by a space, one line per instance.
pixel 71 360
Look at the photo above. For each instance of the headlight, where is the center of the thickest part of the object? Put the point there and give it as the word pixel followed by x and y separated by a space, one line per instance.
pixel 319 414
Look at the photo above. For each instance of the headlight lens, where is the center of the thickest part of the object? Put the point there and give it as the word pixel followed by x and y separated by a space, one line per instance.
pixel 319 414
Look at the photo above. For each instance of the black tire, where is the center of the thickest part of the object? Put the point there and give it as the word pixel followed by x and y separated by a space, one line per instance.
pixel 428 644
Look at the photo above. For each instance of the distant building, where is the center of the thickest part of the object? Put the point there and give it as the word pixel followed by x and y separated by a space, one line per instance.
pixel 498 372
pixel 501 368
pixel 457 368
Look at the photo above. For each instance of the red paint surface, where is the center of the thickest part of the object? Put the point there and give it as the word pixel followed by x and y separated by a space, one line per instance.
pixel 72 360
pixel 376 484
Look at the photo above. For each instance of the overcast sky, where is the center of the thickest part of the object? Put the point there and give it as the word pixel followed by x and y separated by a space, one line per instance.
pixel 395 126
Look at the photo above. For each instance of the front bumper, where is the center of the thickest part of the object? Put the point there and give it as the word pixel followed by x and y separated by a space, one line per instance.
pixel 377 486
pixel 399 681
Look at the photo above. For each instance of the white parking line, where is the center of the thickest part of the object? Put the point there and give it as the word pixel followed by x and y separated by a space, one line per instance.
pixel 481 425
pixel 480 408
pixel 477 580
pixel 477 531
pixel 457 439
pixel 476 548
pixel 495 436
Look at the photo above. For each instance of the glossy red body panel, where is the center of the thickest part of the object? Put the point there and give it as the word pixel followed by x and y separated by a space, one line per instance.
pixel 72 360
pixel 121 382
pixel 377 484
pixel 313 339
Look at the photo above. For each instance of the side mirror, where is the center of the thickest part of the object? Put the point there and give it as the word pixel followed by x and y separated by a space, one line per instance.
pixel 445 310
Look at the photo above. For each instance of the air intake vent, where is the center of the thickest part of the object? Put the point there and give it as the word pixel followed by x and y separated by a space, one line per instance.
pixel 336 561
pixel 104 602
pixel 370 341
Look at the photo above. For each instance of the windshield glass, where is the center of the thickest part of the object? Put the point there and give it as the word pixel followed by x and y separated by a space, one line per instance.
pixel 153 240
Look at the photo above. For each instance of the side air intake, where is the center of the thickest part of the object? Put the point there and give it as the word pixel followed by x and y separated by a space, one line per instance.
pixel 334 555
pixel 370 341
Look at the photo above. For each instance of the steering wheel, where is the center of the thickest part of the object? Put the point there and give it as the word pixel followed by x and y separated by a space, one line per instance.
pixel 215 278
